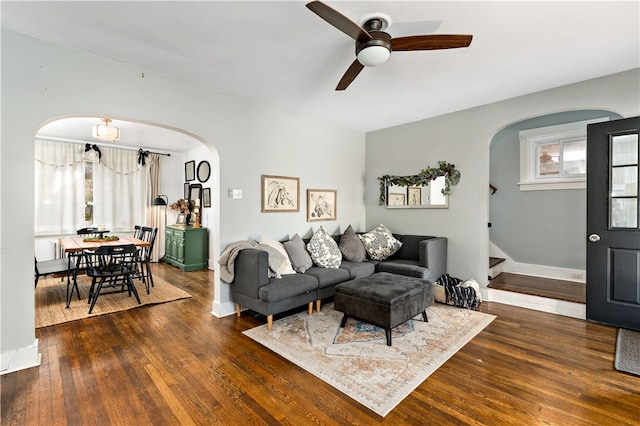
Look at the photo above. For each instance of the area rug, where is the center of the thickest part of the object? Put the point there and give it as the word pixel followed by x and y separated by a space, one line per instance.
pixel 357 361
pixel 628 351
pixel 51 296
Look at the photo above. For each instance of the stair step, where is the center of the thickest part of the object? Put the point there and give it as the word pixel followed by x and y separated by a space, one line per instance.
pixel 493 261
pixel 542 287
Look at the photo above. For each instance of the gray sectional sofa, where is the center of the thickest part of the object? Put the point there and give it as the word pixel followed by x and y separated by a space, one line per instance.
pixel 419 256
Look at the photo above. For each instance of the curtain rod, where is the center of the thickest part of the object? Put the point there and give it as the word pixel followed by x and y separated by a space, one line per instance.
pixel 78 141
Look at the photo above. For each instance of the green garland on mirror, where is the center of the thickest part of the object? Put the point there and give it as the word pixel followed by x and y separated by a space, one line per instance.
pixel 451 178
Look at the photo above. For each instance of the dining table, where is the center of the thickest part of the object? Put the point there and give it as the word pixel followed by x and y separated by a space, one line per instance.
pixel 76 246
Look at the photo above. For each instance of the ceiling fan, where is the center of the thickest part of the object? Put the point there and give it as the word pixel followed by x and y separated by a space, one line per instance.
pixel 374 46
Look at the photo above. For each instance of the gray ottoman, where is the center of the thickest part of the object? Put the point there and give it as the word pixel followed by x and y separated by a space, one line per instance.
pixel 383 299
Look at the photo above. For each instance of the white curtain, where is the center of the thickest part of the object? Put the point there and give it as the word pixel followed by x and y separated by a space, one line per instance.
pixel 59 187
pixel 155 214
pixel 120 190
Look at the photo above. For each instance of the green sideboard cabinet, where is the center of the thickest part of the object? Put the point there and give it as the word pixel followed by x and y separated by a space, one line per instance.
pixel 186 247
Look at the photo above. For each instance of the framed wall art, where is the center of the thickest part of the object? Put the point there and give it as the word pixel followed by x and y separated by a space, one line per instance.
pixel 206 197
pixel 186 191
pixel 280 194
pixel 190 171
pixel 397 199
pixel 204 171
pixel 321 205
pixel 414 195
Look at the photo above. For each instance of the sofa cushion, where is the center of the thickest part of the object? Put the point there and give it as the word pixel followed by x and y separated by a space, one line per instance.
pixel 328 276
pixel 287 286
pixel 286 267
pixel 409 268
pixel 380 243
pixel 351 246
pixel 298 254
pixel 358 269
pixel 323 250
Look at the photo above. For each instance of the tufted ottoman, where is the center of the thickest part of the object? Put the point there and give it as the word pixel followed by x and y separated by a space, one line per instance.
pixel 383 299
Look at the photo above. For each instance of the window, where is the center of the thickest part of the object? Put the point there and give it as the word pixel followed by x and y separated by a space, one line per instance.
pixel 554 157
pixel 74 188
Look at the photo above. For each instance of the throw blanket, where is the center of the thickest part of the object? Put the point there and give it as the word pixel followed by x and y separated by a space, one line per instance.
pixel 228 258
pixel 460 294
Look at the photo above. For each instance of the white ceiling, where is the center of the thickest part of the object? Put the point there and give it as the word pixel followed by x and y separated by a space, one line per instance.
pixel 282 54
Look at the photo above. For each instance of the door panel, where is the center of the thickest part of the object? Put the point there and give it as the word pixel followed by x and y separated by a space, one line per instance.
pixel 613 208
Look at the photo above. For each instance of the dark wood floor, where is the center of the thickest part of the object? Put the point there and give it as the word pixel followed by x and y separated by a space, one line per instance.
pixel 545 287
pixel 177 364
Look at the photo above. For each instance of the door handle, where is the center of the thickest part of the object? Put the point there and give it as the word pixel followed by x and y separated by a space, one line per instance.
pixel 594 238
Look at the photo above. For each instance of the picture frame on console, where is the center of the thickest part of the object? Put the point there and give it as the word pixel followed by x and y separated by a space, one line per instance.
pixel 322 205
pixel 280 194
pixel 182 219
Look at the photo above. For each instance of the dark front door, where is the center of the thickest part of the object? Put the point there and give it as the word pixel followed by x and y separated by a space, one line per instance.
pixel 613 223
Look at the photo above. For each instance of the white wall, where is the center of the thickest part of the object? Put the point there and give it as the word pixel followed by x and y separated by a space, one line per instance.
pixel 463 138
pixel 245 139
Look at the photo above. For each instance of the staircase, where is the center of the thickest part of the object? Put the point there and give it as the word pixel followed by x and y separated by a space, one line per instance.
pixel 495 267
pixel 560 297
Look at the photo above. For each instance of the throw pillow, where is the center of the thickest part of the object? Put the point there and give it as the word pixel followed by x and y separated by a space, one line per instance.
pixel 380 243
pixel 298 254
pixel 351 246
pixel 323 250
pixel 286 267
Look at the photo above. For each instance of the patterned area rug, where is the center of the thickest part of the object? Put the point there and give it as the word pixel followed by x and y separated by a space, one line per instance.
pixel 51 300
pixel 357 361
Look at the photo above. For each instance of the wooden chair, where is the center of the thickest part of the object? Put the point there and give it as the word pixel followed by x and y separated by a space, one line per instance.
pixel 147 234
pixel 112 267
pixel 59 266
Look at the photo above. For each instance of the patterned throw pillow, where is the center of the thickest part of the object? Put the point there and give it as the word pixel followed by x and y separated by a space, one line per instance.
pixel 380 243
pixel 324 250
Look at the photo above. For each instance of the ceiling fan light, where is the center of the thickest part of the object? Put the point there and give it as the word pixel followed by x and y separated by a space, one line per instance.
pixel 106 133
pixel 373 55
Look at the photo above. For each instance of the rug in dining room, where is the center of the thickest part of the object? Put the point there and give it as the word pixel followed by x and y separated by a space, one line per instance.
pixel 50 300
pixel 356 359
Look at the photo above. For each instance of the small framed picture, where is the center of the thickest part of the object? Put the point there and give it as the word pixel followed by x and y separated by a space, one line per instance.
pixel 187 192
pixel 321 205
pixel 182 219
pixel 397 199
pixel 206 197
pixel 280 194
pixel 414 195
pixel 190 170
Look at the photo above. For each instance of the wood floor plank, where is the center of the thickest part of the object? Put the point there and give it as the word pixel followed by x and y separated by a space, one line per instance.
pixel 176 364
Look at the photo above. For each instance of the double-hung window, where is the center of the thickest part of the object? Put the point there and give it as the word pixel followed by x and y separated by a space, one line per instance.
pixel 554 157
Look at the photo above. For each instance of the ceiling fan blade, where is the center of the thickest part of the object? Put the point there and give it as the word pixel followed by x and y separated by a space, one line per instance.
pixel 350 75
pixel 338 20
pixel 430 42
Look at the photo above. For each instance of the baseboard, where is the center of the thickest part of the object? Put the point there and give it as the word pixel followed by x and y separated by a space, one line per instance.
pixel 537 303
pixel 20 359
pixel 223 309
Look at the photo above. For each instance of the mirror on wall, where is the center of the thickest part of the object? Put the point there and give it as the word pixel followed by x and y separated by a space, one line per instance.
pixel 417 197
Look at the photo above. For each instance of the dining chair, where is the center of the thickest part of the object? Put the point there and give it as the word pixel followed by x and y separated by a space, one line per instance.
pixel 111 267
pixel 147 234
pixel 137 232
pixel 59 266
